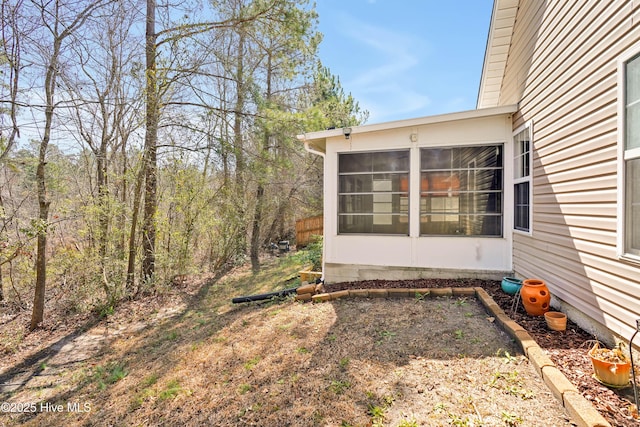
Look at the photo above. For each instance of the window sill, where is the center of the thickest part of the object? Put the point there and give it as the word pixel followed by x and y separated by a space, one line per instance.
pixel 373 234
pixel 523 232
pixel 630 259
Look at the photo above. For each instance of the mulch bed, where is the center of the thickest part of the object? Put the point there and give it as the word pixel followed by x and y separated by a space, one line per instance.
pixel 567 349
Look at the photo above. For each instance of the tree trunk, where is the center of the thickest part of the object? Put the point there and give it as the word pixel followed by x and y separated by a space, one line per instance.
pixel 151 141
pixel 131 263
pixel 238 148
pixel 276 231
pixel 37 314
pixel 257 215
pixel 103 202
pixel 255 232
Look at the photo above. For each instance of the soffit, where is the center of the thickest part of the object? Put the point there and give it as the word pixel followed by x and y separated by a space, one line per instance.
pixel 503 19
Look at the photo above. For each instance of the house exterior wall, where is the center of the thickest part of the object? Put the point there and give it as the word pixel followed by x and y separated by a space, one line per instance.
pixel 562 70
pixel 349 257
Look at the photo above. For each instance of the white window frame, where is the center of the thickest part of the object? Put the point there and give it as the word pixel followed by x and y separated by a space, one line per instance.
pixel 448 209
pixel 382 209
pixel 624 155
pixel 524 179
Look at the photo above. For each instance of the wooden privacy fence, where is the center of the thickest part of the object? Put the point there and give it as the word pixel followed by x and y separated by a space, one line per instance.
pixel 307 228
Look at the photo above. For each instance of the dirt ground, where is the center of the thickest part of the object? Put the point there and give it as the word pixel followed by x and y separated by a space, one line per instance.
pixel 567 349
pixel 190 357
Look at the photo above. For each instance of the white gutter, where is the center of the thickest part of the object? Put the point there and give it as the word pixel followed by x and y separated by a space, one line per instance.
pixel 312 151
pixel 308 148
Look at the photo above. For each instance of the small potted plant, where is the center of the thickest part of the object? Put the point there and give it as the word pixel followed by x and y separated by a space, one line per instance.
pixel 611 366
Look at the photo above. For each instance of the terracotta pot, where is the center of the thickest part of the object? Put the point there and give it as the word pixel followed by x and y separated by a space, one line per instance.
pixel 610 373
pixel 556 321
pixel 535 297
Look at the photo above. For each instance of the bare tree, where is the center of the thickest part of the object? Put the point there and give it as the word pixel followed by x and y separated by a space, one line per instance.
pixel 104 97
pixel 158 82
pixel 59 24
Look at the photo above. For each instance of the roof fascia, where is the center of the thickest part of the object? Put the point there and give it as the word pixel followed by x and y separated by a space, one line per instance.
pixel 320 136
pixel 500 7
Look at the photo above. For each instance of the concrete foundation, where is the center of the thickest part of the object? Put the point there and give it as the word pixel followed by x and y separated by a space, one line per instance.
pixel 336 273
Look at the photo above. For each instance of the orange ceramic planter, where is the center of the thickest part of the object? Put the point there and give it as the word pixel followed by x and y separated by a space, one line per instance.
pixel 609 368
pixel 535 297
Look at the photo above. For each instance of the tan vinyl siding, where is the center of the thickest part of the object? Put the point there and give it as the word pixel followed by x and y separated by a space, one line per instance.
pixel 562 70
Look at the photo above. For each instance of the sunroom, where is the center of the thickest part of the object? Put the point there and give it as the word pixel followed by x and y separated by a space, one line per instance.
pixel 419 198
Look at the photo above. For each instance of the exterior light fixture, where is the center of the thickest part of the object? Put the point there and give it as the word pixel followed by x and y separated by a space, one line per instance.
pixel 346 132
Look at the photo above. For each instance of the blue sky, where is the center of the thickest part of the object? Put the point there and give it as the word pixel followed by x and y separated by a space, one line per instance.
pixel 402 59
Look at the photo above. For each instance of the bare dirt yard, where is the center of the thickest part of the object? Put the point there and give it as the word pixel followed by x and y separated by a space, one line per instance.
pixel 190 357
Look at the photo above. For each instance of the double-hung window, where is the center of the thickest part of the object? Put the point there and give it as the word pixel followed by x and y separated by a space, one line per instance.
pixel 373 192
pixel 631 156
pixel 522 180
pixel 461 191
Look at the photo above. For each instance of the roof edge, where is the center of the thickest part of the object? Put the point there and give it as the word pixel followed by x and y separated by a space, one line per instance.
pixel 504 11
pixel 419 121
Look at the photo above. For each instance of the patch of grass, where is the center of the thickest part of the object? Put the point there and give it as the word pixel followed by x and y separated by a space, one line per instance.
pixel 510 419
pixel 221 339
pixel 520 392
pixel 302 350
pixel 344 362
pixel 147 391
pixel 420 297
pixel 388 400
pixel 149 380
pixel 462 301
pixel 377 414
pixel 458 334
pixel 244 388
pixel 440 407
pixel 172 336
pixel 511 384
pixel 171 390
pixel 508 357
pixel 385 335
pixel 339 387
pixel 109 374
pixel 251 363
pixel 459 421
pixel 409 423
pixel 105 310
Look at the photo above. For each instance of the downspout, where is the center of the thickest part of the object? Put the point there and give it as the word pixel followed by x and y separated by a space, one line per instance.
pixel 308 149
pixel 311 150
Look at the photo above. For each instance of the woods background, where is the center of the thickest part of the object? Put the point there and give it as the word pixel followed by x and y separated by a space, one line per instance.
pixel 141 140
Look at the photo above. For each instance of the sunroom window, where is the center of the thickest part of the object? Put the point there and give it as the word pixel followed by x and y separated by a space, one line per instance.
pixel 632 156
pixel 461 191
pixel 373 193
